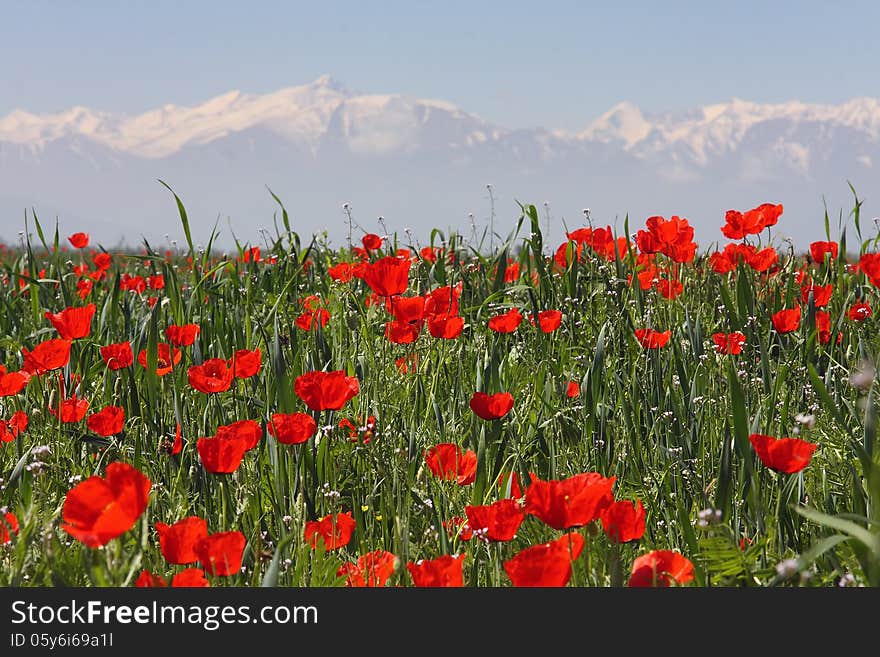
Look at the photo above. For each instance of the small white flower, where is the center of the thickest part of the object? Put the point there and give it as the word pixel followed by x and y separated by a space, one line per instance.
pixel 787 568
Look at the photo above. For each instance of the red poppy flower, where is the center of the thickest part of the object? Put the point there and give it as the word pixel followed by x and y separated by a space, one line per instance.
pixel 445 326
pixel 220 554
pixel 147 580
pixel 819 249
pixel 221 455
pixel 190 578
pixel 372 570
pixel 447 461
pixel 184 335
pixel 623 521
pixel 571 502
pixel 511 478
pixel 740 224
pixel 870 264
pixel 178 541
pixel 71 409
pixel 788 455
pixel 651 339
pixel 445 571
pixel 341 273
pixel 430 253
pixel 661 568
pixel 549 320
pixel 673 238
pixel 491 407
pixel 46 356
pixel 729 343
pixel 175 447
pixel 12 383
pixel 573 389
pixel 323 391
pixel 317 317
pixel 136 284
pixel 506 322
pixel 292 428
pixel 443 300
pixel 334 530
pixel 102 260
pixel 669 289
pixel 388 276
pixel 821 294
pixel 246 363
pixel 117 356
pixel 251 254
pixel 156 282
pixel 79 240
pixel 787 320
pixel 458 526
pixel 859 312
pixel 371 242
pixel 108 421
pixel 214 375
pixel 408 364
pixel 99 509
pixel 73 323
pixel 511 273
pixel 10 429
pixel 545 565
pixel 8 527
pixel 402 333
pixel 84 288
pixel 249 431
pixel 496 522
pixel 166 358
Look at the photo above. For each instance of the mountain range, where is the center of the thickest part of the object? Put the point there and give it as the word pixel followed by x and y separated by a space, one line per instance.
pixel 427 163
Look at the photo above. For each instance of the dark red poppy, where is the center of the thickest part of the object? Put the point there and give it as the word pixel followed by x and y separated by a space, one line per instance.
pixel 371 242
pixel 572 389
pixel 457 526
pixel 623 521
pixel 190 578
pixel 661 568
pixel 99 509
pixel 166 358
pixel 46 356
pixel 388 276
pixel 445 571
pixel 178 541
pixel 506 322
pixel 246 363
pixel 147 580
pixel 221 455
pixel 491 407
pixel 212 376
pixel 571 502
pixel 12 383
pixel 445 326
pixel 184 335
pixel 249 431
pixel 549 320
pixel 729 343
pixel 859 312
pixel 73 323
pixel 546 565
pixel 71 409
pixel 292 428
pixel 341 273
pixel 651 339
pixel 323 391
pixel 108 421
pixel 8 527
pixel 372 570
pixel 788 455
pixel 819 249
pixel 495 522
pixel 117 356
pixel 79 240
pixel 175 447
pixel 443 301
pixel 334 530
pixel 220 553
pixel 401 332
pixel 449 462
pixel 787 320
pixel 10 429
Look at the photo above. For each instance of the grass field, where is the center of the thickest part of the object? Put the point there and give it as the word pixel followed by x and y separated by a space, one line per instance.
pixel 676 415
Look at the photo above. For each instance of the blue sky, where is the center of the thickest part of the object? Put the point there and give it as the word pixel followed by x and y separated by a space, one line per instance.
pixel 552 64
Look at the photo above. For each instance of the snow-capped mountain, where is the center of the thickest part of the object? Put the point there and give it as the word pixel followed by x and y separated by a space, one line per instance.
pixel 424 163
